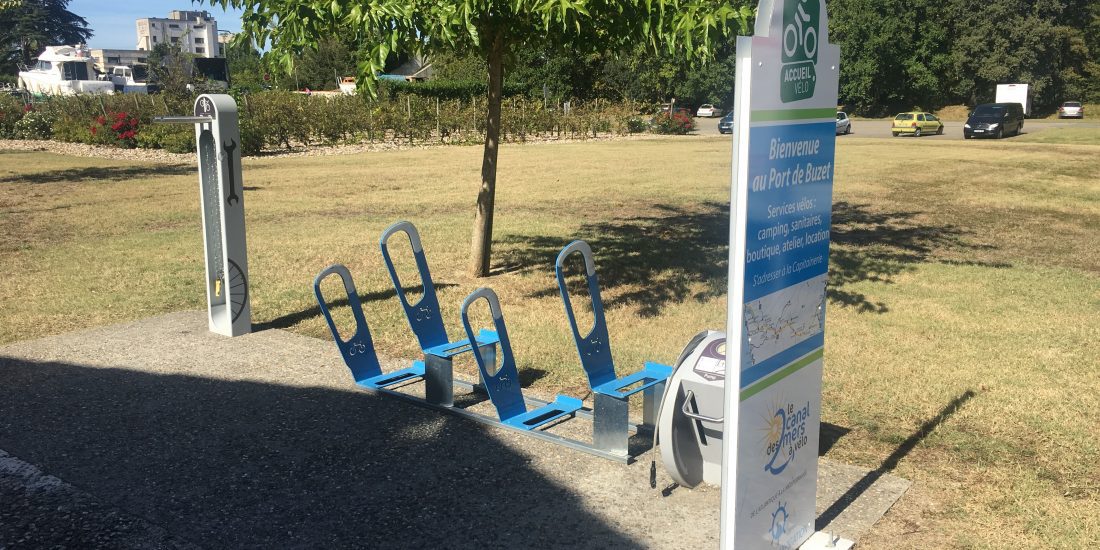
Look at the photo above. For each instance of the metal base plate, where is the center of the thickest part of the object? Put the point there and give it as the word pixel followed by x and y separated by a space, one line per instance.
pixel 582 446
pixel 826 541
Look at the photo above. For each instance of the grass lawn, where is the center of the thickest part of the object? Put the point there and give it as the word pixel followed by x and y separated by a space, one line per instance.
pixel 1069 135
pixel 962 340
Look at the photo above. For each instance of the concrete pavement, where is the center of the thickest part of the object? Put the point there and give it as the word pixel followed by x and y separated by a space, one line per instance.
pixel 157 433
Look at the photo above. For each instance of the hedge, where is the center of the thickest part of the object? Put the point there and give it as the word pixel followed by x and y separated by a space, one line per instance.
pixel 281 119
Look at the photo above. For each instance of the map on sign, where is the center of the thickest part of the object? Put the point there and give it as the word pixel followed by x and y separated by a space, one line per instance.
pixel 782 319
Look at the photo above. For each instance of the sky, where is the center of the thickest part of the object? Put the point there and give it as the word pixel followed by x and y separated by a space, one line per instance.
pixel 114 22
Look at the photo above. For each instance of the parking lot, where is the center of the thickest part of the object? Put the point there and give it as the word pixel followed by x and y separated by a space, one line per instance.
pixel 952 130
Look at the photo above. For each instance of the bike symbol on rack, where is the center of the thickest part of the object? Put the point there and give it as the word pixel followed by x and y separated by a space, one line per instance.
pixel 595 342
pixel 357 348
pixel 423 313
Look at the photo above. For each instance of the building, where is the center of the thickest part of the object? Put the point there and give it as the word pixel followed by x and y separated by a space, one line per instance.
pixel 106 59
pixel 224 38
pixel 191 31
pixel 416 69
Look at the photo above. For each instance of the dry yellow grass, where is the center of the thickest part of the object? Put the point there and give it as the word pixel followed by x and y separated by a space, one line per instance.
pixel 960 274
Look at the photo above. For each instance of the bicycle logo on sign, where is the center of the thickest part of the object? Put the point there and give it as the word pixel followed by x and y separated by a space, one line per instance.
pixel 801 20
pixel 797 35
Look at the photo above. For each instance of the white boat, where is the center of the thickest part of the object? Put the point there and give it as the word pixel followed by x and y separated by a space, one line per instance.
pixel 130 80
pixel 64 70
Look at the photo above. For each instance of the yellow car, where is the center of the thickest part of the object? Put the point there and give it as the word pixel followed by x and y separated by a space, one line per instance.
pixel 916 124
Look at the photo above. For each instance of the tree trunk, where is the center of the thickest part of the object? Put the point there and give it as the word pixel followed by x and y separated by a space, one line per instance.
pixel 482 242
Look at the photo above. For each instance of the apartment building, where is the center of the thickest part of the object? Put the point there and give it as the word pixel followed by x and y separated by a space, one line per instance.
pixel 191 31
pixel 224 38
pixel 105 59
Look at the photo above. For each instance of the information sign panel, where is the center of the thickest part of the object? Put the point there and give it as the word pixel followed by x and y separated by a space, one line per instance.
pixel 780 212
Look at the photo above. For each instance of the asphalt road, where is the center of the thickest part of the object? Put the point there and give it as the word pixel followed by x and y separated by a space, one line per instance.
pixel 880 128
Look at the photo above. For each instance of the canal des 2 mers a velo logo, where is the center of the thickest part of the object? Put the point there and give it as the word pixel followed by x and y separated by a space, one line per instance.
pixel 786 436
pixel 801 21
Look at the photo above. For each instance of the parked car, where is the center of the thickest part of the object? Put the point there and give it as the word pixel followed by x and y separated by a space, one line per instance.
pixel 1071 109
pixel 843 123
pixel 725 126
pixel 995 120
pixel 916 124
pixel 707 110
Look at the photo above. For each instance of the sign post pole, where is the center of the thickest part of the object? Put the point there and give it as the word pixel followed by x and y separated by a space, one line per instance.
pixel 780 212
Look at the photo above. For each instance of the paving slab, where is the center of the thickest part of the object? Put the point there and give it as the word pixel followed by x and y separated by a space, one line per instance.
pixel 263 441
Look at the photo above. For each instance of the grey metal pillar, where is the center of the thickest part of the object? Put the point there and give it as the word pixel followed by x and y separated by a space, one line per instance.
pixel 439 381
pixel 221 190
pixel 651 404
pixel 610 423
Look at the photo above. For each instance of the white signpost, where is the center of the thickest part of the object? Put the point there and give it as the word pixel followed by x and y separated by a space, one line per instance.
pixel 783 147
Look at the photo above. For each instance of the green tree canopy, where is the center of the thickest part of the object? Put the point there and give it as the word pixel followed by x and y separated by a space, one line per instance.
pixel 1036 42
pixel 246 65
pixel 901 54
pixel 28 26
pixel 170 67
pixel 497 30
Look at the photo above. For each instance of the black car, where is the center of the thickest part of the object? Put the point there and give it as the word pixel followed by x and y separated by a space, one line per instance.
pixel 725 126
pixel 995 120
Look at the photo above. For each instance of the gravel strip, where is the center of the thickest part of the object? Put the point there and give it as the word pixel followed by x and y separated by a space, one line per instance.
pixel 164 157
pixel 97 151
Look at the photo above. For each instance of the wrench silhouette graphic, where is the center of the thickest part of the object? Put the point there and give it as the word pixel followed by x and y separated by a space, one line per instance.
pixel 232 198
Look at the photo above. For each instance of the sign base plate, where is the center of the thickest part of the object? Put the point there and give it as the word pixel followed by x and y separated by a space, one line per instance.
pixel 826 541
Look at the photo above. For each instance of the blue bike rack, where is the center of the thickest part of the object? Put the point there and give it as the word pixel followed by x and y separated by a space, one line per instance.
pixel 358 351
pixel 611 418
pixel 514 410
pixel 426 322
pixel 503 386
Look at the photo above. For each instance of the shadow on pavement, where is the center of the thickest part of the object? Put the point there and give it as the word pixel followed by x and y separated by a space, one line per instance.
pixel 224 463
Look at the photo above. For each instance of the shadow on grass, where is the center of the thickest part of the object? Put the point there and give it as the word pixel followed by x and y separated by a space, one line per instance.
pixel 101 173
pixel 291 319
pixel 870 245
pixel 679 254
pixel 661 257
pixel 829 435
pixel 249 464
pixel 891 462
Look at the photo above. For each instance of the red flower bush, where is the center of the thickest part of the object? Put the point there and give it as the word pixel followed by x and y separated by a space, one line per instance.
pixel 675 124
pixel 123 129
